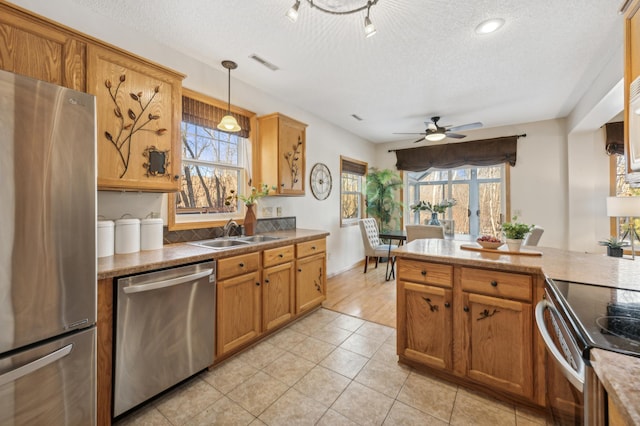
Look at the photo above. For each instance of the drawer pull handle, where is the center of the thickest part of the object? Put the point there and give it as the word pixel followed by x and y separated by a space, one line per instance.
pixel 447 304
pixel 466 309
pixel 258 284
pixel 494 283
pixel 281 255
pixel 313 247
pixel 299 269
pixel 241 264
pixel 424 273
pixel 266 281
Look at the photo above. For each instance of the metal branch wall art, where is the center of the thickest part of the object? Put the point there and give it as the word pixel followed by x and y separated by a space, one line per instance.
pixel 293 157
pixel 130 120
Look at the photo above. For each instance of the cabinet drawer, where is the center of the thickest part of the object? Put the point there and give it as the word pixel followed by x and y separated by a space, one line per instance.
pixel 425 272
pixel 276 256
pixel 237 265
pixel 494 283
pixel 311 247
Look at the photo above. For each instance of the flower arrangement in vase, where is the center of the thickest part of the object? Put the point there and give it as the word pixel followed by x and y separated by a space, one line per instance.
pixel 249 201
pixel 515 232
pixel 435 208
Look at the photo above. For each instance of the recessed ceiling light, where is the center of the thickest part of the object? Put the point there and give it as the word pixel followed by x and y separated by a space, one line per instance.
pixel 489 26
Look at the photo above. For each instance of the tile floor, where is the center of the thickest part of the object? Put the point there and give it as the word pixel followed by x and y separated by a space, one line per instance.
pixel 326 369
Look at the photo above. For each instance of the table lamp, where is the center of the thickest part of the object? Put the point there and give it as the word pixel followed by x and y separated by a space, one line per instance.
pixel 628 207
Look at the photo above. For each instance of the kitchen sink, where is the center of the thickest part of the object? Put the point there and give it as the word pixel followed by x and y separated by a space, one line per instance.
pixel 260 238
pixel 227 243
pixel 220 243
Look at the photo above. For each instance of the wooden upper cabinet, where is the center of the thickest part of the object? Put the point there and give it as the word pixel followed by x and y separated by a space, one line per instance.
pixel 36 48
pixel 281 154
pixel 138 108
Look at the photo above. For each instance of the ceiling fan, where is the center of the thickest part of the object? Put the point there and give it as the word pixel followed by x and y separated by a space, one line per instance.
pixel 434 132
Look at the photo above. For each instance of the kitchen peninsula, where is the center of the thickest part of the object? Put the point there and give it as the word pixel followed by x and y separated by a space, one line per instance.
pixel 468 316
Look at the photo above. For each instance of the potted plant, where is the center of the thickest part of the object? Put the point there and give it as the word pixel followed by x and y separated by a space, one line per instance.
pixel 614 246
pixel 435 209
pixel 514 232
pixel 382 202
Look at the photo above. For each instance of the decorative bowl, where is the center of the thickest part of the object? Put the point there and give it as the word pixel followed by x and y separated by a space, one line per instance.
pixel 490 244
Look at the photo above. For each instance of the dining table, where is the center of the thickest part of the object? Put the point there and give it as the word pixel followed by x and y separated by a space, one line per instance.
pixel 392 235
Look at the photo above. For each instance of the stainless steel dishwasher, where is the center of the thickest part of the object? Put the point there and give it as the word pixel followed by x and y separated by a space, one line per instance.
pixel 165 329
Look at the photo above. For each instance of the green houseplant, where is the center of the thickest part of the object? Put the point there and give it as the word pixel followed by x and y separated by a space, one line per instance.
pixel 614 246
pixel 382 202
pixel 515 232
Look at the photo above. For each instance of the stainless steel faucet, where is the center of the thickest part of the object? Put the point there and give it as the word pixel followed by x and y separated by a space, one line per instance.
pixel 226 230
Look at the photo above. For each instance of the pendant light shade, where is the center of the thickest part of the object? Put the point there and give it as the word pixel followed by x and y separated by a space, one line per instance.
pixel 228 123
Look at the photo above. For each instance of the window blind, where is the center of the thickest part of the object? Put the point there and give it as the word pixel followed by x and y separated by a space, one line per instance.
pixel 207 115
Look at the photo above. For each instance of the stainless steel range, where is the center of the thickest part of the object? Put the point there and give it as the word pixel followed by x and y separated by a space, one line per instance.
pixel 583 317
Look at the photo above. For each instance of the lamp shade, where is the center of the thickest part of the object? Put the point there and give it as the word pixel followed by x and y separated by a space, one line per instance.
pixel 623 206
pixel 229 124
pixel 435 136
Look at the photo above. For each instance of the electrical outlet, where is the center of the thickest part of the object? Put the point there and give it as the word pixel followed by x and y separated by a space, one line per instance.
pixel 267 211
pixel 278 211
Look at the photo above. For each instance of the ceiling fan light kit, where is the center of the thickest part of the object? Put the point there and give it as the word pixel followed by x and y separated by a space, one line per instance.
pixel 369 28
pixel 489 26
pixel 435 136
pixel 436 133
pixel 229 123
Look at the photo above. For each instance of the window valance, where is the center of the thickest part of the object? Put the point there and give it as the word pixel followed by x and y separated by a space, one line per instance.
pixel 614 142
pixel 207 115
pixel 484 152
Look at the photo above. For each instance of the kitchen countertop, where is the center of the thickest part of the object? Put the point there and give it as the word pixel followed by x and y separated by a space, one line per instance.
pixel 183 253
pixel 620 374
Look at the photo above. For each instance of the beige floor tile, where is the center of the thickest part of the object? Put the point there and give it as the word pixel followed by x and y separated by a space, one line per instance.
pixel 523 421
pixel 187 401
pixel 392 339
pixel 383 377
pixel 477 412
pixel 332 334
pixel 363 405
pixel 323 385
pixel 347 322
pixel 324 316
pixel 257 422
pixel 289 368
pixel 310 323
pixel 386 353
pixel 145 416
pixel 402 414
pixel 333 418
pixel 293 408
pixel 534 416
pixel 344 362
pixel 228 375
pixel 258 393
pixel 261 355
pixel 429 396
pixel 286 338
pixel 313 349
pixel 362 345
pixel 489 400
pixel 371 329
pixel 223 412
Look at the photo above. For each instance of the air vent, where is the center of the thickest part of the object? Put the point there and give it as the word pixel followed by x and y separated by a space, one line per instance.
pixel 263 62
pixel 356 117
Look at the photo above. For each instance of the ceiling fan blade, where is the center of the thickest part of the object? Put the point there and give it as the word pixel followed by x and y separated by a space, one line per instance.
pixel 468 126
pixel 455 135
pixel 419 140
pixel 417 133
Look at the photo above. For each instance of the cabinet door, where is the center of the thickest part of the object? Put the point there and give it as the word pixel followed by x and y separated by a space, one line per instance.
pixel 291 148
pixel 498 343
pixel 433 344
pixel 238 311
pixel 277 295
pixel 39 50
pixel 310 282
pixel 138 108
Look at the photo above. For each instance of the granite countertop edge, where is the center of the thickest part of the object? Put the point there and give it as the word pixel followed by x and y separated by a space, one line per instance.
pixel 619 376
pixel 183 253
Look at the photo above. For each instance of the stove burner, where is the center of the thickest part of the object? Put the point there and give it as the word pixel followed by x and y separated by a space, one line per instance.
pixel 620 326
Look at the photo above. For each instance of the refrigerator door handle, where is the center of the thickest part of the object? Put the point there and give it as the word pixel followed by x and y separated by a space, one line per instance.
pixel 29 368
pixel 167 283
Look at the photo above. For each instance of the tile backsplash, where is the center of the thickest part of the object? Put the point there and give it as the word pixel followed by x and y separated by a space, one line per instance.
pixel 263 225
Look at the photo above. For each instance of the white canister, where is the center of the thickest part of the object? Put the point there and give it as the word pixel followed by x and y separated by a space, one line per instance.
pixel 151 234
pixel 127 236
pixel 105 238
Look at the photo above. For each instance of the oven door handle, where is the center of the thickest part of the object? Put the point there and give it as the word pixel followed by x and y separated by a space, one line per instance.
pixel 167 283
pixel 575 378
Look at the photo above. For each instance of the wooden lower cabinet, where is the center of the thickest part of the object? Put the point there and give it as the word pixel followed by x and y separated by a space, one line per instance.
pixel 278 298
pixel 498 341
pixel 471 324
pixel 310 282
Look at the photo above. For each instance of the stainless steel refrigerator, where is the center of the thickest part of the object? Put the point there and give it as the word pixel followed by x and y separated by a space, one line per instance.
pixel 47 254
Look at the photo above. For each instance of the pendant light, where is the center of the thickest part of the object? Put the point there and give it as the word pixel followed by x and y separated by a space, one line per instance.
pixel 228 123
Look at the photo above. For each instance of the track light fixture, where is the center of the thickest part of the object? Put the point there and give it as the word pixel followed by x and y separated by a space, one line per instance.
pixel 369 28
pixel 228 123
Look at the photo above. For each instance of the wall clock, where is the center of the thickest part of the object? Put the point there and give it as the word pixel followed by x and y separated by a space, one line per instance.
pixel 320 178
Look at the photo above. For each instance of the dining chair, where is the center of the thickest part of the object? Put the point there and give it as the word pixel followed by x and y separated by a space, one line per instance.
pixel 415 232
pixel 373 247
pixel 534 236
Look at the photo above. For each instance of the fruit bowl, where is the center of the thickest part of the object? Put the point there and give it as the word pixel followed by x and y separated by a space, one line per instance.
pixel 489 242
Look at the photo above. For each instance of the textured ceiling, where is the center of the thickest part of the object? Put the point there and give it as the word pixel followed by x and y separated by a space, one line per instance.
pixel 425 59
